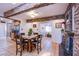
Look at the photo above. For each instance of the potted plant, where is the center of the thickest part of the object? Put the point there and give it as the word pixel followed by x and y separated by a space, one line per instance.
pixel 71 34
pixel 48 34
pixel 30 32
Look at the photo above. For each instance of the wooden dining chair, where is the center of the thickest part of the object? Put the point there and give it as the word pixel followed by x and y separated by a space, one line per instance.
pixel 25 41
pixel 39 43
pixel 34 43
pixel 19 44
pixel 35 33
pixel 25 44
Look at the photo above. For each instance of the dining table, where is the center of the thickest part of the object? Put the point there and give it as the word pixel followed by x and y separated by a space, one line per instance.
pixel 29 38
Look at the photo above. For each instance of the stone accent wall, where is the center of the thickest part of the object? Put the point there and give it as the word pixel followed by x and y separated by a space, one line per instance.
pixel 76 37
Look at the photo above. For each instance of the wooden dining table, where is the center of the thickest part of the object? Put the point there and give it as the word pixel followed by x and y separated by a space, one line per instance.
pixel 29 38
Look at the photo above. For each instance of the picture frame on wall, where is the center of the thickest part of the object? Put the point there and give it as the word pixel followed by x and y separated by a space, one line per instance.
pixel 34 26
pixel 58 25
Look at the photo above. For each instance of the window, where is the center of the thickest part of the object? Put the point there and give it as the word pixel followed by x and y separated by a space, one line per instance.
pixel 48 29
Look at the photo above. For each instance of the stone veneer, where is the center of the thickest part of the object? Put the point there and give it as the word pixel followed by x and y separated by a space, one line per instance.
pixel 76 37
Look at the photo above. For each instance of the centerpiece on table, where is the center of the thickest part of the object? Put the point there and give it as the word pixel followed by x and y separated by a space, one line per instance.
pixel 48 34
pixel 30 32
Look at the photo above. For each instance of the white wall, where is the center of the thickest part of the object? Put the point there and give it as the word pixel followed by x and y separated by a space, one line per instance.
pixel 4 28
pixel 56 32
pixel 26 26
pixel 43 25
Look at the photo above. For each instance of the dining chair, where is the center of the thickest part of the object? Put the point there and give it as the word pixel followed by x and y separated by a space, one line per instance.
pixel 39 43
pixel 35 33
pixel 25 41
pixel 25 44
pixel 34 43
pixel 19 44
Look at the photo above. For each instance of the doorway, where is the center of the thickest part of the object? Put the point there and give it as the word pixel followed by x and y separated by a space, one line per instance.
pixel 3 30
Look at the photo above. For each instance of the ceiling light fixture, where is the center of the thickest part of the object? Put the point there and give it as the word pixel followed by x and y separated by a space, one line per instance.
pixel 32 14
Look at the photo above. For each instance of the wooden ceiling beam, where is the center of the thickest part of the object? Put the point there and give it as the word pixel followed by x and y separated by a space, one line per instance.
pixel 46 18
pixel 33 8
pixel 9 12
pixel 9 18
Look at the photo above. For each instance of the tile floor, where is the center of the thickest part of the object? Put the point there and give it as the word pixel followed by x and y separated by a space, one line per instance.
pixel 7 48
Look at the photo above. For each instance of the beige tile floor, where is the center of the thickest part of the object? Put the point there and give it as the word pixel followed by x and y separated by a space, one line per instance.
pixel 8 48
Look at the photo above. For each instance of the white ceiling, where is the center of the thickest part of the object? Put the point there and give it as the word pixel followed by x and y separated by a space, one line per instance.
pixel 24 7
pixel 7 6
pixel 51 10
